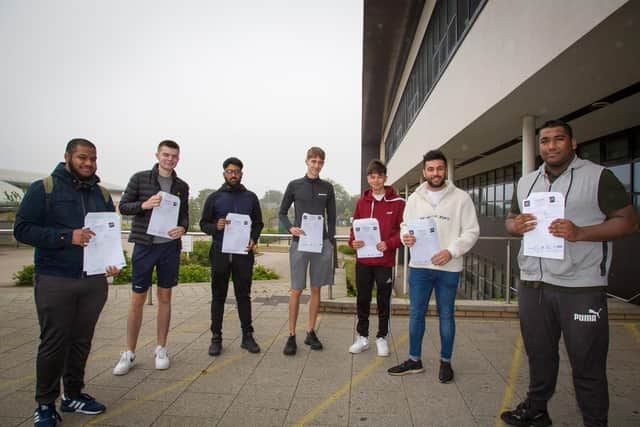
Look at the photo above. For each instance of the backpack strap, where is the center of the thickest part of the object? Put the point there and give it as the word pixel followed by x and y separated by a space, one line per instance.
pixel 105 194
pixel 47 182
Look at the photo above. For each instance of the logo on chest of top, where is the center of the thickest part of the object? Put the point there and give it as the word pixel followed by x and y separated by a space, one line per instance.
pixel 322 194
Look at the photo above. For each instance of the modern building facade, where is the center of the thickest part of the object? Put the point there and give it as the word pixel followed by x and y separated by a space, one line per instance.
pixel 475 78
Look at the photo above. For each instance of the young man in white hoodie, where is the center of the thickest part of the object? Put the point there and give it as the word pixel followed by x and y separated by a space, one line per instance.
pixel 457 230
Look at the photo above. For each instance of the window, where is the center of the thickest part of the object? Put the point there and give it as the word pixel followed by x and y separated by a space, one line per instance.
pixel 448 24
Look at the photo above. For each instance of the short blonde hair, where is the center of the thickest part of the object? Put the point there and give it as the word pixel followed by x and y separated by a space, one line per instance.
pixel 315 152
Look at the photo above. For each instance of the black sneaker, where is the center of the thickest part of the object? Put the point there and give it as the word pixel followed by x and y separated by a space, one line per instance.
pixel 83 404
pixel 46 416
pixel 216 346
pixel 313 341
pixel 526 416
pixel 249 344
pixel 446 373
pixel 407 367
pixel 290 347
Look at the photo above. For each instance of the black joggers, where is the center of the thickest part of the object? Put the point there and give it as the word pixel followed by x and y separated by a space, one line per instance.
pixel 582 319
pixel 68 310
pixel 366 275
pixel 240 268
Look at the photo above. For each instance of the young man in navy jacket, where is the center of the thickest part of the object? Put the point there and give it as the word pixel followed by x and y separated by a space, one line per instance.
pixel 68 301
pixel 231 197
pixel 382 203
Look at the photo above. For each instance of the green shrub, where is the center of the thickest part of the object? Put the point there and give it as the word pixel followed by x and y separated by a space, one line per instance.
pixel 267 240
pixel 125 274
pixel 193 273
pixel 346 249
pixel 199 255
pixel 24 276
pixel 260 272
pixel 350 273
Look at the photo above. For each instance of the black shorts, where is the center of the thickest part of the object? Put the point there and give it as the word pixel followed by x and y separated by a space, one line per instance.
pixel 165 257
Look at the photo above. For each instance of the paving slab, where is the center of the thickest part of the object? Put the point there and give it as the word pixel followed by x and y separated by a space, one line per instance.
pixel 328 387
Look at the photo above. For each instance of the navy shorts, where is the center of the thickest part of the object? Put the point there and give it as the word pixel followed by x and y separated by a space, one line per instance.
pixel 165 257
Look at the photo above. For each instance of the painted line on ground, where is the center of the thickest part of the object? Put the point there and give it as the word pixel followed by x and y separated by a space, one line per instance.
pixel 7 383
pixel 211 368
pixel 314 412
pixel 633 330
pixel 507 397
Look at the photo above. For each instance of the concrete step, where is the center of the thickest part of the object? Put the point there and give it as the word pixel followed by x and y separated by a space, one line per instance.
pixel 618 310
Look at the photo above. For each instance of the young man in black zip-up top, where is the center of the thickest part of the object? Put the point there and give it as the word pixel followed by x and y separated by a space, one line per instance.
pixel 231 197
pixel 139 199
pixel 68 301
pixel 310 195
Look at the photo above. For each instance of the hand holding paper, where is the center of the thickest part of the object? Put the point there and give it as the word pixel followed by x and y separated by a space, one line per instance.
pixel 368 231
pixel 547 207
pixel 164 216
pixel 236 238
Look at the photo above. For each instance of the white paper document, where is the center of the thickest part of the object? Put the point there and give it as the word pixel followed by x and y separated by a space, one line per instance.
pixel 427 243
pixel 237 233
pixel 546 207
pixel 165 216
pixel 105 248
pixel 313 226
pixel 367 230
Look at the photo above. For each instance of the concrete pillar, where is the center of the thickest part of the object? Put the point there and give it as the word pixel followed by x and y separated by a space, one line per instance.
pixel 450 170
pixel 528 144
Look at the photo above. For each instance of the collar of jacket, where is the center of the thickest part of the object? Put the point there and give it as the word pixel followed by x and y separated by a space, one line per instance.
pixel 61 172
pixel 422 190
pixel 576 163
pixel 390 195
pixel 228 188
pixel 306 177
pixel 155 172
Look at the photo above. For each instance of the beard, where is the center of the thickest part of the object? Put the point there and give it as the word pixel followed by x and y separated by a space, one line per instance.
pixel 434 185
pixel 75 172
pixel 234 183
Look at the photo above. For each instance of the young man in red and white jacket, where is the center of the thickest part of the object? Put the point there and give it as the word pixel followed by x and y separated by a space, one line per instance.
pixel 382 203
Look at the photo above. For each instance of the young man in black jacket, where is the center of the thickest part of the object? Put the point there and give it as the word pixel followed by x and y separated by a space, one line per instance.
pixel 139 199
pixel 231 197
pixel 68 301
pixel 310 195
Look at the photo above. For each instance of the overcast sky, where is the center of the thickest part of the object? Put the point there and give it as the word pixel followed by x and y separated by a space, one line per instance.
pixel 260 80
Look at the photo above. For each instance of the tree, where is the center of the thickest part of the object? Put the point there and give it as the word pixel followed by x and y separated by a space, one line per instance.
pixel 345 203
pixel 270 204
pixel 196 204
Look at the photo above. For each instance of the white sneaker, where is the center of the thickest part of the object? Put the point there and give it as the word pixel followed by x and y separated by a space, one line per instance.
pixel 125 363
pixel 383 347
pixel 361 344
pixel 162 358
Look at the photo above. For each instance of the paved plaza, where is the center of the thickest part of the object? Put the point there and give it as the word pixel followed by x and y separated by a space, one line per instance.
pixel 329 387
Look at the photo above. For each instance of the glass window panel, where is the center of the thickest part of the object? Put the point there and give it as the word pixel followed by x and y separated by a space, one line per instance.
pixel 636 202
pixel 636 177
pixel 507 207
pixel 499 208
pixel 617 148
pixel 590 151
pixel 491 193
pixel 451 9
pixel 508 191
pixel 491 209
pixel 499 192
pixel 623 173
pixel 636 145
pixel 462 15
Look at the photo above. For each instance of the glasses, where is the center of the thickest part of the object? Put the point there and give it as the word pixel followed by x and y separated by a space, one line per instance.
pixel 233 171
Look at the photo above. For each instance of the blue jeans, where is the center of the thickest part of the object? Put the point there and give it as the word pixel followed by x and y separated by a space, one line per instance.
pixel 421 282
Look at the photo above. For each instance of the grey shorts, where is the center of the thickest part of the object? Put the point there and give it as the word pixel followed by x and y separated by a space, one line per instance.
pixel 320 266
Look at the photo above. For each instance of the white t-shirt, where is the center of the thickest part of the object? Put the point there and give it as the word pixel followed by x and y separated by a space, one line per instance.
pixel 378 197
pixel 435 196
